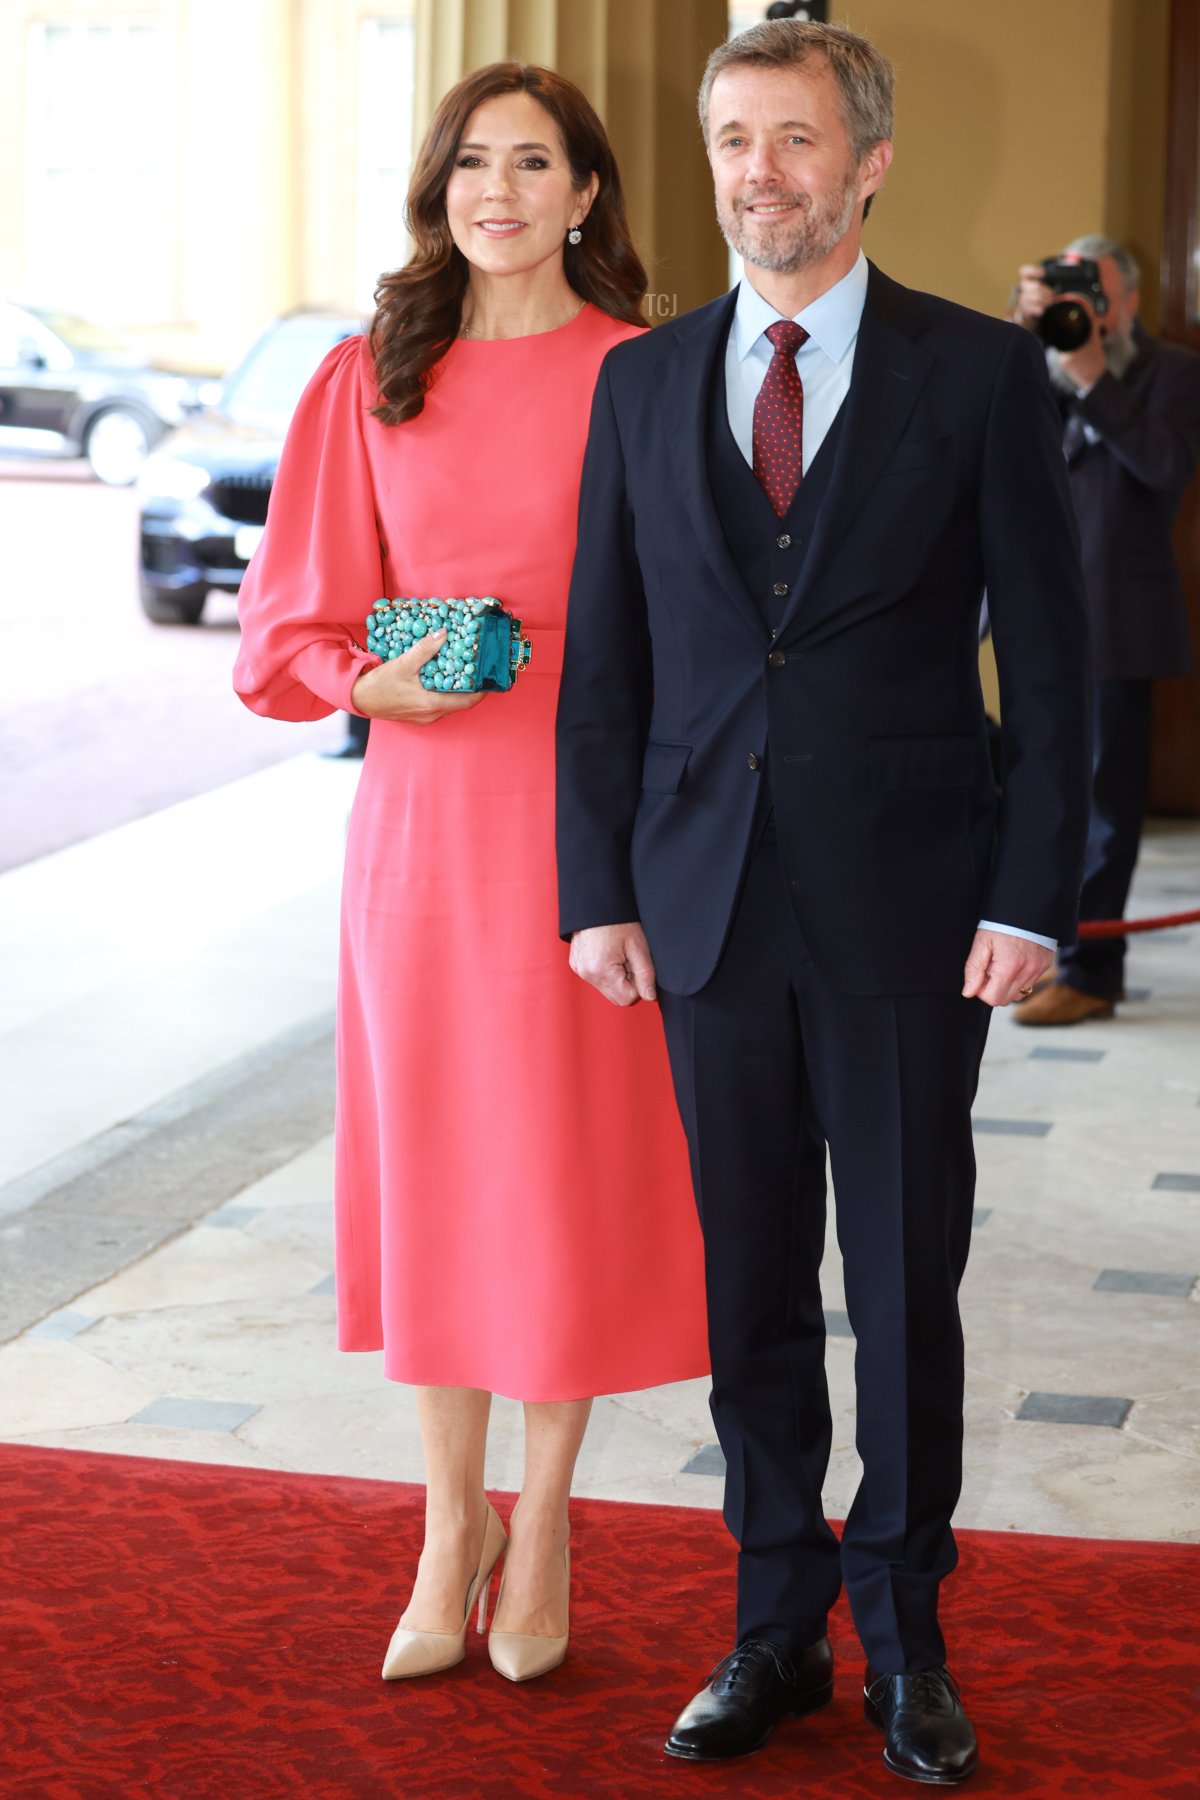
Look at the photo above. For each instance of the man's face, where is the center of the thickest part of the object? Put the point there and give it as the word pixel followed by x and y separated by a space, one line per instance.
pixel 788 187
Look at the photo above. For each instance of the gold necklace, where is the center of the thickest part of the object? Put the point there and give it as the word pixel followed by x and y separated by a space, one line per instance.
pixel 464 330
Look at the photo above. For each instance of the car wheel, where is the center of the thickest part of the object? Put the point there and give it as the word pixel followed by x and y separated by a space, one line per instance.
pixel 183 607
pixel 116 445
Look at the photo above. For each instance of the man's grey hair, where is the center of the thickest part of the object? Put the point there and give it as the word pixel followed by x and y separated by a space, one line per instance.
pixel 864 75
pixel 1095 246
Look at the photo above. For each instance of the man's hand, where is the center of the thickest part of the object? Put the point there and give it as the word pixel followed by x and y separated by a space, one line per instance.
pixel 1001 969
pixel 393 691
pixel 1031 296
pixel 615 959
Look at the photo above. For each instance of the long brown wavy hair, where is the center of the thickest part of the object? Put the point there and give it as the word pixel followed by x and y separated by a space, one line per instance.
pixel 418 308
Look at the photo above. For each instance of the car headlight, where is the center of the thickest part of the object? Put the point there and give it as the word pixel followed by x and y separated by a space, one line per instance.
pixel 171 477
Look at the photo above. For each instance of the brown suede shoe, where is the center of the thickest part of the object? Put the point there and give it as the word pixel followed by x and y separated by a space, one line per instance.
pixel 1062 1004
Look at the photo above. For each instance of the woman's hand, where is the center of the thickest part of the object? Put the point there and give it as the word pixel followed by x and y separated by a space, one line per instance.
pixel 392 691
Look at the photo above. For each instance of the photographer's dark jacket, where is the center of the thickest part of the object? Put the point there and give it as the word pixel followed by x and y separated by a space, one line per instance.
pixel 857 699
pixel 1127 486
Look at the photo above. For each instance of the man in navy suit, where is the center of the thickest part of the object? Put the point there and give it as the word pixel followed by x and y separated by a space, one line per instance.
pixel 1130 409
pixel 777 816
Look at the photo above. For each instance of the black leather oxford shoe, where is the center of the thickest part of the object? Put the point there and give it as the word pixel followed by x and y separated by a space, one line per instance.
pixel 926 1734
pixel 747 1694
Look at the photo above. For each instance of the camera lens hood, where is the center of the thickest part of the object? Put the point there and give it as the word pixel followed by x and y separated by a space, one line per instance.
pixel 1065 325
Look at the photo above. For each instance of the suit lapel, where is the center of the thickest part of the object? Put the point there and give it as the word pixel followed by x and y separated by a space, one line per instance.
pixel 698 344
pixel 890 370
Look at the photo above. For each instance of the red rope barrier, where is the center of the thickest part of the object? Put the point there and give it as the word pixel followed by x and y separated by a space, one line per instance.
pixel 1105 928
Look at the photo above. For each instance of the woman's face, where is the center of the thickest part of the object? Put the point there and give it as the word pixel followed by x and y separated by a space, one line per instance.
pixel 509 201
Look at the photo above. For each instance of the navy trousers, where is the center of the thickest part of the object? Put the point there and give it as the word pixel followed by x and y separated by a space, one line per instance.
pixel 1120 773
pixel 771 1064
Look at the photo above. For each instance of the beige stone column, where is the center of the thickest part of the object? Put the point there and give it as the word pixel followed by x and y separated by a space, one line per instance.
pixel 639 62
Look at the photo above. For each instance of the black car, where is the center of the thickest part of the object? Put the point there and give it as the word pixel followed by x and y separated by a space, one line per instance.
pixel 69 387
pixel 204 491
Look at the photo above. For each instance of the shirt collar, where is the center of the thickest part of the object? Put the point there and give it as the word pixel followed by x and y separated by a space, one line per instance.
pixel 831 321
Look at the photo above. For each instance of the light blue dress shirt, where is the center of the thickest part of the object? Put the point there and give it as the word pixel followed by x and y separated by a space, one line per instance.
pixel 825 364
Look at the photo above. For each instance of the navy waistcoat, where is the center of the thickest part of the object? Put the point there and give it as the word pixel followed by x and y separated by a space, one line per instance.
pixel 768 550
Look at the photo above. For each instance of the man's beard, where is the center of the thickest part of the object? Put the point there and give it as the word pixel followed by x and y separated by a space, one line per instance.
pixel 807 237
pixel 1120 351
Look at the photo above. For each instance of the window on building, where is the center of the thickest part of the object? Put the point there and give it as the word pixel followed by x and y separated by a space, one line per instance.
pixel 99 234
pixel 385 125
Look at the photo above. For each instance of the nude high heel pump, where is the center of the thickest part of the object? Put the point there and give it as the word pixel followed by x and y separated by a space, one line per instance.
pixel 519 1656
pixel 428 1652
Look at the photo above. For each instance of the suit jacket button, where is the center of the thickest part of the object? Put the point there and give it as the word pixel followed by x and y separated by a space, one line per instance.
pixel 777 658
pixel 753 762
pixel 784 540
pixel 780 589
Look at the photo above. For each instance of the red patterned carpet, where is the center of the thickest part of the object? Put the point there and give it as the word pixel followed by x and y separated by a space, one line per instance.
pixel 185 1631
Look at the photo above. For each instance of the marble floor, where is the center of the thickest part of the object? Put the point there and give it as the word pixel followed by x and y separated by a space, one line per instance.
pixel 165 1168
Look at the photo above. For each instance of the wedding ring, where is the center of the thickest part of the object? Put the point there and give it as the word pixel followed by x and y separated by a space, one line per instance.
pixel 1026 991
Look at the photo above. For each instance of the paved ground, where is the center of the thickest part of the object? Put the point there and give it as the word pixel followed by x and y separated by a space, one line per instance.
pixel 103 716
pixel 165 1235
pixel 167 970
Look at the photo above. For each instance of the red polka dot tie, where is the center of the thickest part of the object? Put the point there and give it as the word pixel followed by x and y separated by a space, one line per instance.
pixel 779 418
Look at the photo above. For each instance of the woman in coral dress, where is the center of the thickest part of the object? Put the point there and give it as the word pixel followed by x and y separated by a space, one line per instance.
pixel 513 1209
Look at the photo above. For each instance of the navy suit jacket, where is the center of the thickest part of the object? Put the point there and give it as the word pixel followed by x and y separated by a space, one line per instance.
pixel 864 711
pixel 1127 489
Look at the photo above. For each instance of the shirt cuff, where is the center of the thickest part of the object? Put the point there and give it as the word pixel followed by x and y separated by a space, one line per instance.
pixel 1031 937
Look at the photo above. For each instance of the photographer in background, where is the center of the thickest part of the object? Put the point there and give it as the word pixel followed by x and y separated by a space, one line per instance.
pixel 1130 406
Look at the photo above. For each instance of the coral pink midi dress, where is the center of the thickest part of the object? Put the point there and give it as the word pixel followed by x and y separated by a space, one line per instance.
pixel 513 1206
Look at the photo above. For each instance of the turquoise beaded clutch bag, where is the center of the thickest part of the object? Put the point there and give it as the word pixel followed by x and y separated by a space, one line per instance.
pixel 485 649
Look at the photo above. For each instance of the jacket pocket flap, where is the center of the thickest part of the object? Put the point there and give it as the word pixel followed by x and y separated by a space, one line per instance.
pixel 927 762
pixel 662 769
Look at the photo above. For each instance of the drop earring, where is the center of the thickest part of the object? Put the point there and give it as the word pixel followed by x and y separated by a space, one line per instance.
pixel 574 236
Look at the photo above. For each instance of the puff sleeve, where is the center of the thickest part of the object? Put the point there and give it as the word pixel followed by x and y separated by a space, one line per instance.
pixel 319 568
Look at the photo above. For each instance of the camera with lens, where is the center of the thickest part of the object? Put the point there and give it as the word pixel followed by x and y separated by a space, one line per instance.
pixel 1065 324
